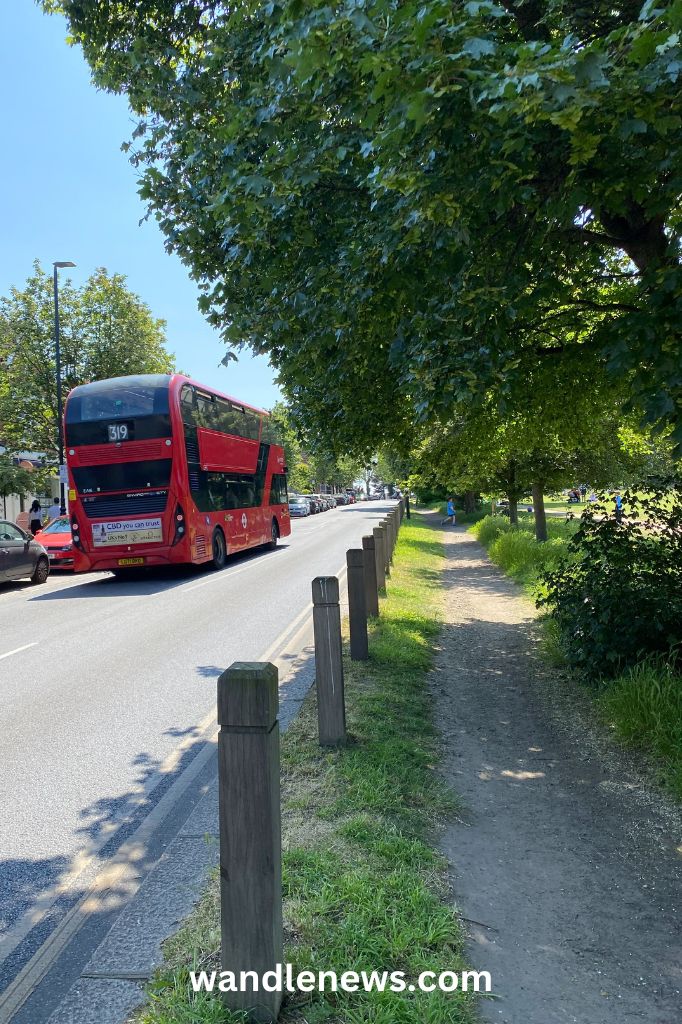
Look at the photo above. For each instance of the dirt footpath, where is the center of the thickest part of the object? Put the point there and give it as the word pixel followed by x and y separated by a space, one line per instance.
pixel 568 868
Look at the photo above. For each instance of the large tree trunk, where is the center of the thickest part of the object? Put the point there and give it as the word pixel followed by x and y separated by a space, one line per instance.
pixel 643 239
pixel 539 512
pixel 469 501
pixel 513 509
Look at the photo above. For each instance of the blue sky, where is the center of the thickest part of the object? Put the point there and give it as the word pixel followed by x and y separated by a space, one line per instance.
pixel 67 192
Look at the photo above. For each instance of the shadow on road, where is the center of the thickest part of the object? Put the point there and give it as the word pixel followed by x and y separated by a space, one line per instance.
pixel 155 580
pixel 35 894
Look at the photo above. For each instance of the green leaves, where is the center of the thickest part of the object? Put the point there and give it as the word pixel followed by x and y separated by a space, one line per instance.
pixel 105 331
pixel 476 47
pixel 420 203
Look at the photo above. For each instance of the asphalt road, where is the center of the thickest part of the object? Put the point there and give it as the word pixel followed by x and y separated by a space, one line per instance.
pixel 107 689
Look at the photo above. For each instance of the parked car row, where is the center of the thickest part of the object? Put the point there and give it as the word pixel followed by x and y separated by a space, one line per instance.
pixel 310 504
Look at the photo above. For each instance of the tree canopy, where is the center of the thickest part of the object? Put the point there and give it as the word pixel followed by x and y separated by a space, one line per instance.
pixel 105 331
pixel 415 201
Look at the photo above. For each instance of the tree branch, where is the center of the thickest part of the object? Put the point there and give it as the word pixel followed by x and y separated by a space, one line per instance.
pixel 528 15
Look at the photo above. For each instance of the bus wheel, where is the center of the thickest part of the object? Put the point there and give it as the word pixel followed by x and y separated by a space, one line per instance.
pixel 219 550
pixel 274 534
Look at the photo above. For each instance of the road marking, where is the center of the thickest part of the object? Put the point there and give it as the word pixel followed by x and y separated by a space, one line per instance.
pixel 17 650
pixel 121 869
pixel 213 579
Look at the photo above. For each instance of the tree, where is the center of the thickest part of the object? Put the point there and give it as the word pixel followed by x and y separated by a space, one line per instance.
pixel 105 331
pixel 16 479
pixel 297 467
pixel 316 464
pixel 418 199
pixel 562 429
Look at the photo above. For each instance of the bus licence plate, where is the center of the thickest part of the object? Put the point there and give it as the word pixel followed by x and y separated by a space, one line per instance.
pixel 130 561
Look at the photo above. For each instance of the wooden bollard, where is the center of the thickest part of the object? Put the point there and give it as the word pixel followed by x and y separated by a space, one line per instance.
pixel 250 832
pixel 393 520
pixel 357 607
pixel 370 574
pixel 379 560
pixel 389 528
pixel 384 527
pixel 331 707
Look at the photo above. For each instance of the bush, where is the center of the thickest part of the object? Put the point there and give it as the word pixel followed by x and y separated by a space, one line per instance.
pixel 620 599
pixel 489 529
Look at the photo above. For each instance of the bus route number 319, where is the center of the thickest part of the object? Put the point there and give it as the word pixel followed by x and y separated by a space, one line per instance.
pixel 118 431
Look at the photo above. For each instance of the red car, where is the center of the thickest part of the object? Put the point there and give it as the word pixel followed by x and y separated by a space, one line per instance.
pixel 56 539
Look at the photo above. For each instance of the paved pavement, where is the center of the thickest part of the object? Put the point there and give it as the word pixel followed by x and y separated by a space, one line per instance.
pixel 107 691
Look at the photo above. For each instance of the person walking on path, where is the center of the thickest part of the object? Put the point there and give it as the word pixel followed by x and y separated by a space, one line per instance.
pixel 564 862
pixel 35 517
pixel 449 513
pixel 54 510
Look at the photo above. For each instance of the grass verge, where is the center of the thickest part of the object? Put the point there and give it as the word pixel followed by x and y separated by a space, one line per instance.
pixel 516 550
pixel 364 887
pixel 644 708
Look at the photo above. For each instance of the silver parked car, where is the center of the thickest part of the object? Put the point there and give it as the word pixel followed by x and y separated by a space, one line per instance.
pixel 21 555
pixel 299 505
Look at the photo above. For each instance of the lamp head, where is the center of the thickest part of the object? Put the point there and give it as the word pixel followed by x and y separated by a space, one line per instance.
pixel 65 263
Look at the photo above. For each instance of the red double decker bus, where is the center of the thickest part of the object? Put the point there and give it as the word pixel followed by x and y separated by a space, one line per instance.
pixel 163 471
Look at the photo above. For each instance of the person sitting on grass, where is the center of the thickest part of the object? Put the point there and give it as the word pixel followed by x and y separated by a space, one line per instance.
pixel 449 514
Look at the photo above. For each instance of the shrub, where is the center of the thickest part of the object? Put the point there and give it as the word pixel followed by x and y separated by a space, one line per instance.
pixel 487 530
pixel 620 599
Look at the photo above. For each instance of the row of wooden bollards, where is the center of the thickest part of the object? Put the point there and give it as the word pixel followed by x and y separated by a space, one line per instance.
pixel 368 568
pixel 249 769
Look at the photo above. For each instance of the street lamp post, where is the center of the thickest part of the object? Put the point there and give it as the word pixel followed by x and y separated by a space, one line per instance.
pixel 60 428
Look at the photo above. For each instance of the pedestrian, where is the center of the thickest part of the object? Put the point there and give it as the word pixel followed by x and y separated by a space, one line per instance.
pixel 583 491
pixel 593 499
pixel 619 507
pixel 449 513
pixel 35 517
pixel 54 510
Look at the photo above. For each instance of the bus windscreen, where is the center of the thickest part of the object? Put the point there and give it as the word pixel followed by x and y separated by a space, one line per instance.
pixel 130 401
